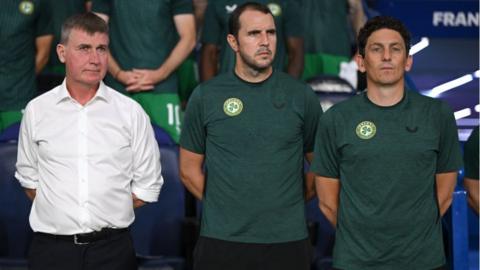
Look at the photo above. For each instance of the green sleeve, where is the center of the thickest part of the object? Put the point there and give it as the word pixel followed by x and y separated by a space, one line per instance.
pixel 182 7
pixel 326 156
pixel 449 155
pixel 471 156
pixel 193 133
pixel 44 24
pixel 101 6
pixel 293 23
pixel 313 111
pixel 211 26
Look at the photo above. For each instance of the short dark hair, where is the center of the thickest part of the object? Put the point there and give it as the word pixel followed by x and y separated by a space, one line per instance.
pixel 88 22
pixel 234 20
pixel 382 22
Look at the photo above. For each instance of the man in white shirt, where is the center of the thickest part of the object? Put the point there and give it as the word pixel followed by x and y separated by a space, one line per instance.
pixel 87 157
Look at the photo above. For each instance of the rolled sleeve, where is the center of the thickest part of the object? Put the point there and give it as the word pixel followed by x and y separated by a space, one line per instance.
pixel 27 155
pixel 146 195
pixel 147 179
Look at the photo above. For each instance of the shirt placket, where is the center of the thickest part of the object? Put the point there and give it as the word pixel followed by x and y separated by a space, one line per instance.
pixel 83 167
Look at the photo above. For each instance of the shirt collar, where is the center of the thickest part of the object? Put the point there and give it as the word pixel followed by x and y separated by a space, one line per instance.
pixel 63 94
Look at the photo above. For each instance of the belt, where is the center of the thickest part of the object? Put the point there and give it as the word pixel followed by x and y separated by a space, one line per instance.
pixel 86 238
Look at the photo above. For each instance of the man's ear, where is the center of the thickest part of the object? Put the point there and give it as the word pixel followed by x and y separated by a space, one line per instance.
pixel 232 41
pixel 360 62
pixel 61 52
pixel 409 63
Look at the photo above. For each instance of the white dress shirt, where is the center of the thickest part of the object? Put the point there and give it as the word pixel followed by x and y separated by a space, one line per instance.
pixel 86 161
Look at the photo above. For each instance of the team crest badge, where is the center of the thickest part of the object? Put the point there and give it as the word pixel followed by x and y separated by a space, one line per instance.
pixel 232 106
pixel 275 9
pixel 26 7
pixel 366 130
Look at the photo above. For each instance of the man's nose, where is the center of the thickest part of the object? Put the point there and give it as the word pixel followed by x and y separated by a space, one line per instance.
pixel 94 57
pixel 387 56
pixel 264 39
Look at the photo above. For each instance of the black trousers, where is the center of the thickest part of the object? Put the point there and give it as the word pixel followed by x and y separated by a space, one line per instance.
pixel 215 254
pixel 113 253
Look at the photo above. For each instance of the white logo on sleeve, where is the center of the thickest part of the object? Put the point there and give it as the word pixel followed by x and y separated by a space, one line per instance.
pixel 231 8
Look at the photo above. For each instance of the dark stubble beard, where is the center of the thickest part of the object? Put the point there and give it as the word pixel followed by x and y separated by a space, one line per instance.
pixel 250 62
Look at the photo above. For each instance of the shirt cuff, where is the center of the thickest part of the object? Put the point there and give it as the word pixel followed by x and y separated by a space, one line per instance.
pixel 146 195
pixel 26 183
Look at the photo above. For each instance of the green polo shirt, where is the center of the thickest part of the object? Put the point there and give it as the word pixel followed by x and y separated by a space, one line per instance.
pixel 22 21
pixel 254 137
pixel 215 28
pixel 386 159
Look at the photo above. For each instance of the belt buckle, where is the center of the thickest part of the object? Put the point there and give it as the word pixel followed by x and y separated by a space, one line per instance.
pixel 75 240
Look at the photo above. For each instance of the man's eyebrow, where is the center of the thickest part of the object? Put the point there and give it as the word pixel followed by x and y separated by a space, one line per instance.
pixel 84 45
pixel 386 44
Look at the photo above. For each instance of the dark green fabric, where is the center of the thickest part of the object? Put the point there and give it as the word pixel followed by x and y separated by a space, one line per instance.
pixel 471 155
pixel 187 78
pixel 142 35
pixel 254 160
pixel 328 36
pixel 388 216
pixel 61 11
pixel 21 22
pixel 326 27
pixel 215 29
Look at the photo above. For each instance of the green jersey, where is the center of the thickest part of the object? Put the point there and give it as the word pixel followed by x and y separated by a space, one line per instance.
pixel 386 159
pixel 142 35
pixel 471 155
pixel 21 23
pixel 254 137
pixel 215 29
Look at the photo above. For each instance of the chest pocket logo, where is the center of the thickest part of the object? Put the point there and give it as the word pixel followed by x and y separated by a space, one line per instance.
pixel 26 7
pixel 366 130
pixel 232 106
